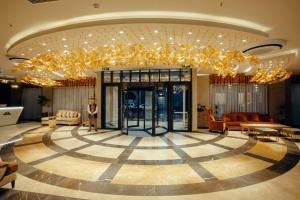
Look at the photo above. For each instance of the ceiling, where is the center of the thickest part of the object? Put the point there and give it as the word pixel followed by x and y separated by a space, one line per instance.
pixel 30 29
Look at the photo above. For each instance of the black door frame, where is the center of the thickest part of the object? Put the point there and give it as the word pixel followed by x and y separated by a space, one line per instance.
pixel 124 85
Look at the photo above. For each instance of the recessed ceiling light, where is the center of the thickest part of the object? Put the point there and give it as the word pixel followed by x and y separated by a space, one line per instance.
pixel 221 43
pixel 121 32
pixel 129 44
pixel 105 45
pixel 85 42
pixel 170 38
pixel 39 70
pixel 66 46
pixel 198 40
pixel 113 39
pixel 44 44
pixel 156 31
pixel 49 50
pixel 90 35
pixel 63 39
pixel 142 38
pixel 220 35
pixel 38 54
pixel 30 49
pixel 154 43
pixel 244 40
pixel 23 54
pixel 190 33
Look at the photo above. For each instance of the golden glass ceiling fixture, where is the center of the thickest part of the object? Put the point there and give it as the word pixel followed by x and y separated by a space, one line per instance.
pixel 42 70
pixel 272 71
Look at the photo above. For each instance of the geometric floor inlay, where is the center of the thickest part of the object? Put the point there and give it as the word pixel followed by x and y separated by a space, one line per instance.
pixel 179 163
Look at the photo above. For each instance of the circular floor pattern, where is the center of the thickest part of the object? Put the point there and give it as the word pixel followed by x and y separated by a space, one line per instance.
pixel 174 164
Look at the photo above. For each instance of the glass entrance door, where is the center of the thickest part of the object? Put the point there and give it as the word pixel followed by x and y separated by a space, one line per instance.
pixel 137 111
pixel 161 115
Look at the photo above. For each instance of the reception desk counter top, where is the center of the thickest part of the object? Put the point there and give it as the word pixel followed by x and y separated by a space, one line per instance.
pixel 9 115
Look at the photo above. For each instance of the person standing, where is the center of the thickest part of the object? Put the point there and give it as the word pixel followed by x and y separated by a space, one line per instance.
pixel 93 113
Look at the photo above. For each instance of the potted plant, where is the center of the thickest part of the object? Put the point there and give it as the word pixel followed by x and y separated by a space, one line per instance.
pixel 44 102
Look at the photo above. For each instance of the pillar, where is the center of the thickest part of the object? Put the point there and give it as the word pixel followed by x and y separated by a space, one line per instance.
pixel 98 92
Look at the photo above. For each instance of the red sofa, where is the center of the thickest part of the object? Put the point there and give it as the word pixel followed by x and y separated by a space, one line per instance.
pixel 233 120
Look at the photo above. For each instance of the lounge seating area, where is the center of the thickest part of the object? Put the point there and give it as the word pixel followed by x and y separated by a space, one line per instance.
pixel 64 117
pixel 232 121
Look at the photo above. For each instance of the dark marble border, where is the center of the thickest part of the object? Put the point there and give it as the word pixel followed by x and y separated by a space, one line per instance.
pixel 210 185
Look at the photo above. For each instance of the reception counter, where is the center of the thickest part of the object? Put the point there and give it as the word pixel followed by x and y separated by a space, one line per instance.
pixel 9 115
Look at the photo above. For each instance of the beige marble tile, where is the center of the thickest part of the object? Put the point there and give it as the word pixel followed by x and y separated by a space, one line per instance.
pixel 74 168
pixel 203 150
pixel 269 150
pixel 100 136
pixel 102 151
pixel 70 143
pixel 43 129
pixel 153 154
pixel 65 128
pixel 31 138
pixel 179 139
pixel 202 136
pixel 232 142
pixel 152 142
pixel 61 134
pixel 235 166
pixel 238 134
pixel 156 175
pixel 33 152
pixel 122 140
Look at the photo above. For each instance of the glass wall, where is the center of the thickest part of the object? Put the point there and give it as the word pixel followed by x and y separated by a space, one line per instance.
pixel 153 101
pixel 180 107
pixel 161 110
pixel 112 107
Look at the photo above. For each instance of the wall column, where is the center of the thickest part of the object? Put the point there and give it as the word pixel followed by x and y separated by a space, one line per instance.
pixel 194 99
pixel 98 92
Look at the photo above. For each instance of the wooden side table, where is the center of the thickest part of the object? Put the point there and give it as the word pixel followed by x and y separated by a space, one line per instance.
pixel 294 133
pixel 269 132
pixel 52 122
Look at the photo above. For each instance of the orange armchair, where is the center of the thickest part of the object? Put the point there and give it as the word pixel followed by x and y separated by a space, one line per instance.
pixel 214 125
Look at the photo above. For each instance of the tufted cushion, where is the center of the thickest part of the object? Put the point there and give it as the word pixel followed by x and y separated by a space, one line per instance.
pixel 255 118
pixel 243 118
pixel 75 114
pixel 226 119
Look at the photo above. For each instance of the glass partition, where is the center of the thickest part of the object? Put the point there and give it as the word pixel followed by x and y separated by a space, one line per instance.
pixel 126 76
pixel 135 76
pixel 148 111
pixel 185 75
pixel 111 106
pixel 180 108
pixel 164 75
pixel 154 75
pixel 116 77
pixel 107 77
pixel 144 75
pixel 161 110
pixel 174 75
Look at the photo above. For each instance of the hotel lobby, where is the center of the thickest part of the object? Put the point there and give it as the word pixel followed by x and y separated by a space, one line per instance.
pixel 173 99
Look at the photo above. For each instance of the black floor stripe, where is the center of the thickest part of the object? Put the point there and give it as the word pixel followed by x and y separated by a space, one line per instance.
pixel 114 168
pixel 199 169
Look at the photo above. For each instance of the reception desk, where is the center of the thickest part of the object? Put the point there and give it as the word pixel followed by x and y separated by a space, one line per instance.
pixel 9 115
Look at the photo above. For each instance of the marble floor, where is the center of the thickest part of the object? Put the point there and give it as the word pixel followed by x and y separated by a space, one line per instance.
pixel 70 163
